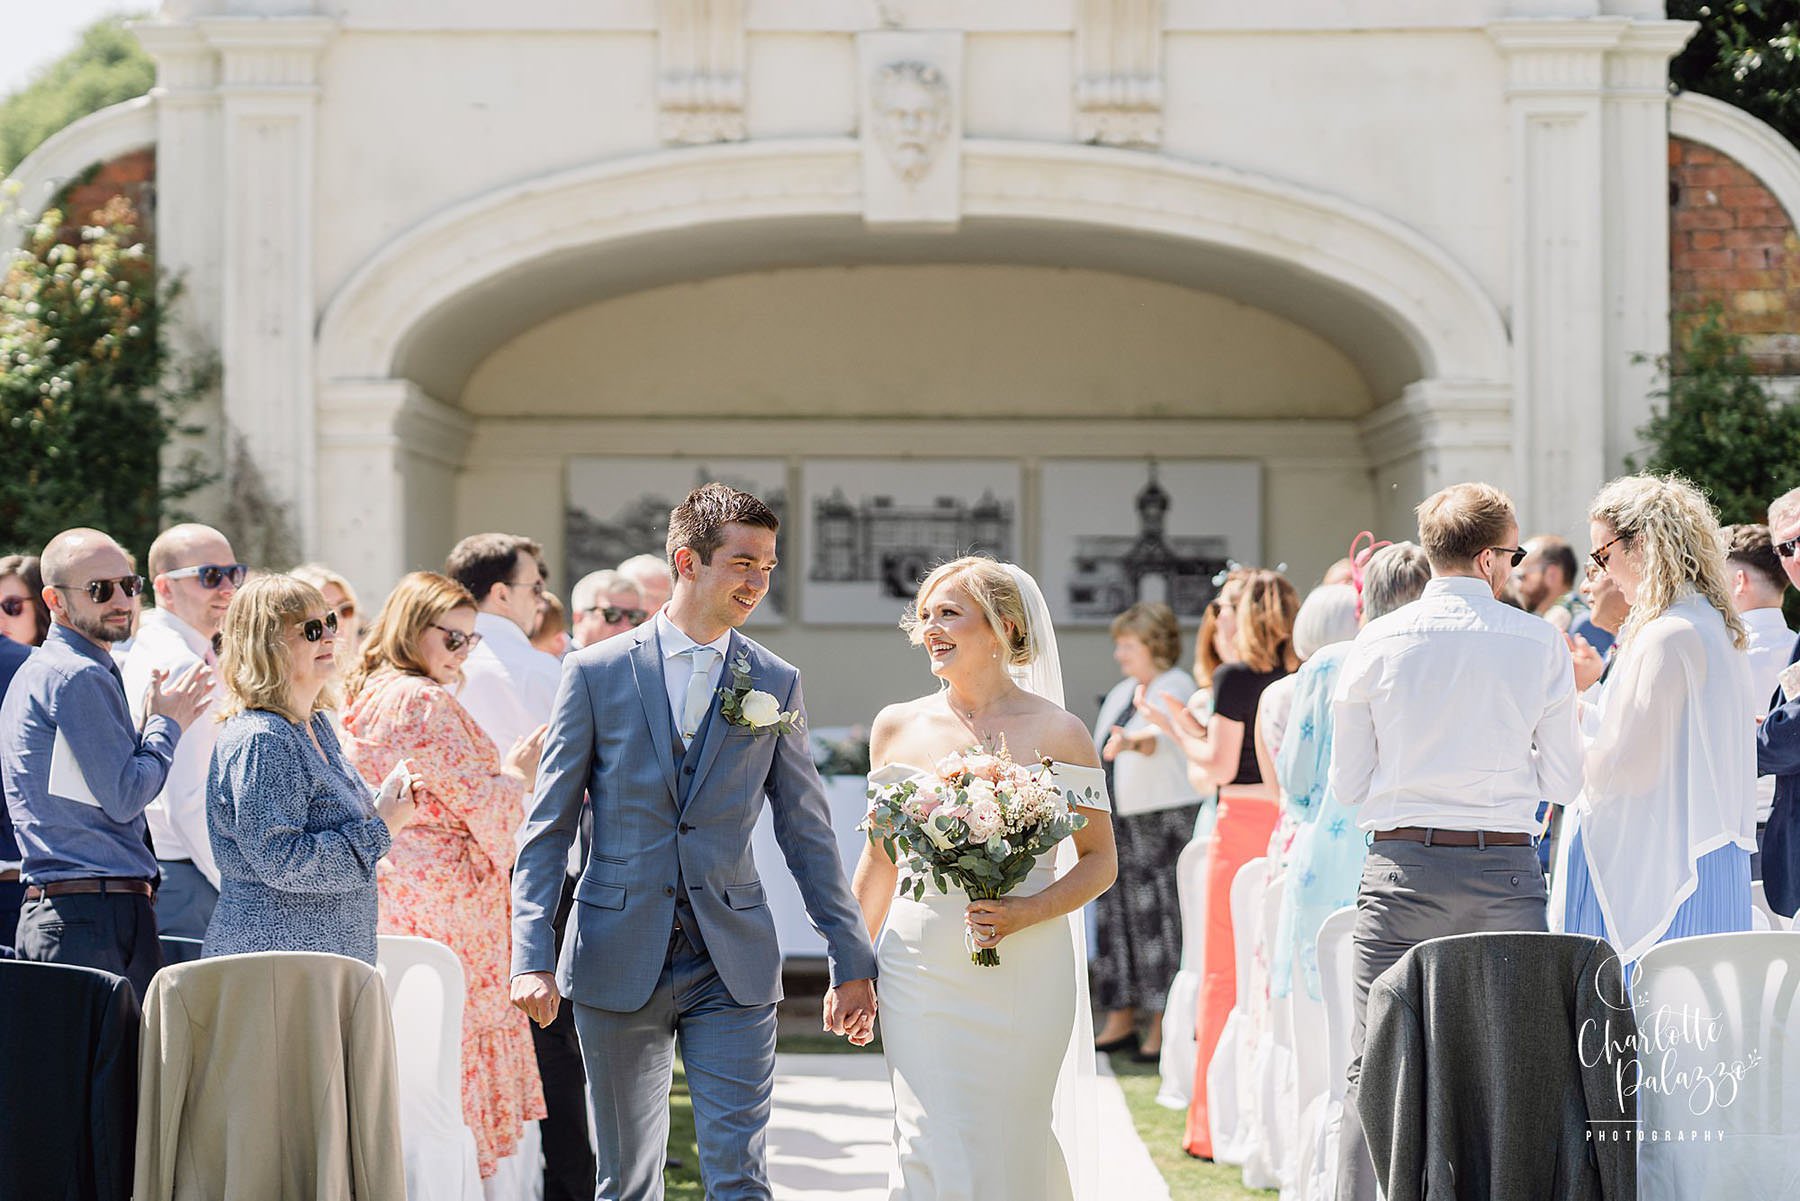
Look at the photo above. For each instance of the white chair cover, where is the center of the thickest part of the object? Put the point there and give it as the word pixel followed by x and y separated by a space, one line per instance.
pixel 1747 986
pixel 1759 907
pixel 1316 1173
pixel 1225 1114
pixel 1267 1086
pixel 425 992
pixel 1179 1035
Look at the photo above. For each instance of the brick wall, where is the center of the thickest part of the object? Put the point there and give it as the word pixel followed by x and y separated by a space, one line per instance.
pixel 131 175
pixel 1731 242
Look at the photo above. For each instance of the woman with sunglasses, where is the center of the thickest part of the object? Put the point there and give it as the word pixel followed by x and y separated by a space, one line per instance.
pixel 1667 821
pixel 447 875
pixel 24 617
pixel 295 831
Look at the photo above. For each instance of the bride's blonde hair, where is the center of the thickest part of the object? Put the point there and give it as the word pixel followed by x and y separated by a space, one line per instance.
pixel 992 587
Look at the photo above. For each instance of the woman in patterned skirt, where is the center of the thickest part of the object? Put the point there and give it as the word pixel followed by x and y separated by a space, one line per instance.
pixel 1138 950
pixel 446 877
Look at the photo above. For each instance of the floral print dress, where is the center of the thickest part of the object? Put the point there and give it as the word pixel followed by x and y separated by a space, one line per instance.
pixel 446 878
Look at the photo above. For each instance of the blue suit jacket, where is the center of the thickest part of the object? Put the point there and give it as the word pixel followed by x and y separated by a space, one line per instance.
pixel 656 822
pixel 12 657
pixel 1778 755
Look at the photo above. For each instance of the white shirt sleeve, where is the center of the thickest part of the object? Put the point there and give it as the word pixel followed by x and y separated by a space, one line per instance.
pixel 1557 742
pixel 1353 743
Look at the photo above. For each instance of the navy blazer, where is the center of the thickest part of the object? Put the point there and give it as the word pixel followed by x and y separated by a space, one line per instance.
pixel 1778 755
pixel 12 657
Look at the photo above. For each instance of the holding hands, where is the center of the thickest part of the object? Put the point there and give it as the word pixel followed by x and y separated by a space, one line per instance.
pixel 850 1011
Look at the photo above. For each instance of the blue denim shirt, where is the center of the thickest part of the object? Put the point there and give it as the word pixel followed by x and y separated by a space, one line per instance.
pixel 69 692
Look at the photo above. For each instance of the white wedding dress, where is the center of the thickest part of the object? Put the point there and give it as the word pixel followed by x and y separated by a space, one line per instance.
pixel 976 1054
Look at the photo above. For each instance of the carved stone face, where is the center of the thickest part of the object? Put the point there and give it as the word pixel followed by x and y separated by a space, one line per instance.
pixel 912 115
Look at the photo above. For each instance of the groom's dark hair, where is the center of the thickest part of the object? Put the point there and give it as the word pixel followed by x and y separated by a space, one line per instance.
pixel 699 522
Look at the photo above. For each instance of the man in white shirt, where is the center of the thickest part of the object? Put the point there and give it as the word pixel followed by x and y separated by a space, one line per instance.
pixel 1757 583
pixel 194 574
pixel 509 688
pixel 509 685
pixel 1454 717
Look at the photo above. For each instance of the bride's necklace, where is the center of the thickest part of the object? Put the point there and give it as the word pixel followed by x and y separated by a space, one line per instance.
pixel 969 715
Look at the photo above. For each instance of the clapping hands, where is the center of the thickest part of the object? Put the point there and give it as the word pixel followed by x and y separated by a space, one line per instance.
pixel 183 699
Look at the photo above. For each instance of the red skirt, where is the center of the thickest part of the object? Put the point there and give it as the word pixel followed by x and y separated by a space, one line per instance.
pixel 1246 821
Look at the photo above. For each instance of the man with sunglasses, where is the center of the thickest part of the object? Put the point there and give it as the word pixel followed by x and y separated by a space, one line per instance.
pixel 79 773
pixel 606 603
pixel 1454 717
pixel 194 575
pixel 1778 738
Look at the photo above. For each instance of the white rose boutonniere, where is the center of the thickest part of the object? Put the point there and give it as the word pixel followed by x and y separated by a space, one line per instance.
pixel 760 709
pixel 752 708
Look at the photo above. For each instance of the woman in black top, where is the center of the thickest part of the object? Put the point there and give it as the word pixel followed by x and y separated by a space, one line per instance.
pixel 1224 753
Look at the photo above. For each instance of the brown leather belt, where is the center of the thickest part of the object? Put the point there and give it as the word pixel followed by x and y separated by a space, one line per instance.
pixel 9 876
pixel 64 888
pixel 1454 838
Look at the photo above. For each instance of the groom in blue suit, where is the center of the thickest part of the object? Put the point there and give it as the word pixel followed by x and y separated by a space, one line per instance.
pixel 671 938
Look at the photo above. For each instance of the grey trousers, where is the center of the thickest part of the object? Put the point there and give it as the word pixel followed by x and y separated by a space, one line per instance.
pixel 184 900
pixel 728 1053
pixel 1411 892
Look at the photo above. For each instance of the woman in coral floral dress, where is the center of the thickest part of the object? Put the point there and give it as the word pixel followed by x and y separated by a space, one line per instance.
pixel 446 876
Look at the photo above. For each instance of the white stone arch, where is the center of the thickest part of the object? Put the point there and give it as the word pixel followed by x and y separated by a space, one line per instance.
pixel 1431 341
pixel 1429 298
pixel 1749 141
pixel 97 138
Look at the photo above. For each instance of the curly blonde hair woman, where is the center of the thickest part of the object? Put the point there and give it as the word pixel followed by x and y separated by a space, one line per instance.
pixel 296 832
pixel 1668 817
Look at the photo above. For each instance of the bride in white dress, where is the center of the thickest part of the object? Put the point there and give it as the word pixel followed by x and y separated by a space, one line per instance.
pixel 992 1067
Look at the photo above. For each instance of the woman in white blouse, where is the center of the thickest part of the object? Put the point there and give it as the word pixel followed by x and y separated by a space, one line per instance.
pixel 1138 949
pixel 1668 818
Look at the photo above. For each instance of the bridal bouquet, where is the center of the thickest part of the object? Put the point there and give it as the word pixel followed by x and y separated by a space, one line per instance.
pixel 980 822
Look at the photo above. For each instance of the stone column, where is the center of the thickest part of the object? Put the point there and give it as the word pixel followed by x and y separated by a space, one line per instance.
pixel 1637 226
pixel 1439 432
pixel 188 217
pixel 388 459
pixel 268 93
pixel 1555 78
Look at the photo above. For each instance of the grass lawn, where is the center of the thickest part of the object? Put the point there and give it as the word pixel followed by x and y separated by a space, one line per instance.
pixel 1161 1129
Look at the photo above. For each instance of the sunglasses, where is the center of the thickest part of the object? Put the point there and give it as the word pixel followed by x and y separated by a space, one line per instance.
pixel 1599 556
pixel 1788 549
pixel 314 629
pixel 613 615
pixel 100 591
pixel 211 575
pixel 1517 553
pixel 346 611
pixel 456 639
pixel 12 606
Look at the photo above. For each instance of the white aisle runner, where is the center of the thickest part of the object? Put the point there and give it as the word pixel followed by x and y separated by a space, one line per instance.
pixel 834 1115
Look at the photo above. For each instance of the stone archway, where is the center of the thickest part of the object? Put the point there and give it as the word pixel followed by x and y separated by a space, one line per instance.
pixel 393 338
